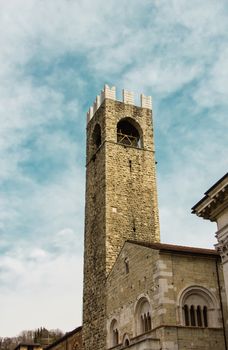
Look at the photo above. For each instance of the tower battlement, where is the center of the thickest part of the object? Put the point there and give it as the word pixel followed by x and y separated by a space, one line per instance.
pixel 127 97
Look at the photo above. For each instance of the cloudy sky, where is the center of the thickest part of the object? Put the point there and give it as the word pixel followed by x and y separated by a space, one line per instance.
pixel 55 56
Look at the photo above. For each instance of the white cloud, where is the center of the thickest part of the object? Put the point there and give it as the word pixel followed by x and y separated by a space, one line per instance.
pixel 213 91
pixel 52 54
pixel 42 284
pixel 161 76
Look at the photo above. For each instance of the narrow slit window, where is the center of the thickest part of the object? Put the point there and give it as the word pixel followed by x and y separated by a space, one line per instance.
pixel 205 316
pixel 199 316
pixel 149 321
pixel 186 315
pixel 192 316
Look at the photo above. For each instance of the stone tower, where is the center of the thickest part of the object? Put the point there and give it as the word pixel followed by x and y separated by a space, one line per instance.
pixel 121 196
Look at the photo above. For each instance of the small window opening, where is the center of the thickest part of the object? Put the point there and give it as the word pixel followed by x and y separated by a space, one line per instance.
pixel 192 316
pixel 97 136
pixel 205 316
pixel 126 262
pixel 114 333
pixel 199 316
pixel 130 164
pixel 142 324
pixel 149 321
pixel 115 337
pixel 145 322
pixel 186 315
pixel 127 134
pixel 196 317
pixel 127 342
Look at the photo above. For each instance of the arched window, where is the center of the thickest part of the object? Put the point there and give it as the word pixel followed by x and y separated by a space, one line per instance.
pixel 128 133
pixel 114 333
pixel 143 316
pixel 199 308
pixel 96 136
pixel 126 340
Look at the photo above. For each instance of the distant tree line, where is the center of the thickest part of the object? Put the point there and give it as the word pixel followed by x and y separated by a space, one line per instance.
pixel 41 335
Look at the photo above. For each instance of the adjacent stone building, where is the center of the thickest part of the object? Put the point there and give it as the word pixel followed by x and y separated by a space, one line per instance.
pixel 139 293
pixel 214 207
pixel 28 346
pixel 167 297
pixel 70 341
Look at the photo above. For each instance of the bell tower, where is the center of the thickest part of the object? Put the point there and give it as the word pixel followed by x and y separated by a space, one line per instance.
pixel 121 196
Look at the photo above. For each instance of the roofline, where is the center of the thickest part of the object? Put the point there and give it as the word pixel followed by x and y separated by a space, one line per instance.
pixel 207 192
pixel 27 344
pixel 217 183
pixel 68 334
pixel 176 248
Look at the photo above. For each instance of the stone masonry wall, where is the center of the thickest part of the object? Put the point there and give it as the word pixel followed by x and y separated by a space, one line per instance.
pixel 70 341
pixel 131 192
pixel 124 290
pixel 94 245
pixel 121 203
pixel 161 277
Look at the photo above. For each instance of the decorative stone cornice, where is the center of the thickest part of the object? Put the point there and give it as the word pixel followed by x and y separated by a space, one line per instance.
pixel 214 201
pixel 222 249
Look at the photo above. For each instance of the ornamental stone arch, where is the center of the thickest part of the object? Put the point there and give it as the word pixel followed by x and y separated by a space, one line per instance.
pixel 142 315
pixel 197 306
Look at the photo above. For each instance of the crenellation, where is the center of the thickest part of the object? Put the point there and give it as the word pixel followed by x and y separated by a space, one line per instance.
pixel 146 101
pixel 110 93
pixel 128 97
pixel 90 114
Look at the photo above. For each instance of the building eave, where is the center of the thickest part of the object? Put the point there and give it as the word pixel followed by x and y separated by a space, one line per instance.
pixel 214 201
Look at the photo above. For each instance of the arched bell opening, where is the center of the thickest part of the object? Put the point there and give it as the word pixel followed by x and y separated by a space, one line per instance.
pixel 129 133
pixel 96 136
